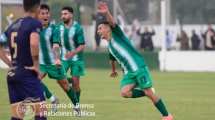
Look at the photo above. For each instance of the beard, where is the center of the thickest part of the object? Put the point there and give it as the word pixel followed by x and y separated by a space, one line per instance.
pixel 66 21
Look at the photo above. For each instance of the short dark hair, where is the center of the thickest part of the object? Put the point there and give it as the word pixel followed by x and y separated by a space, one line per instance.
pixel 104 22
pixel 29 5
pixel 70 9
pixel 45 7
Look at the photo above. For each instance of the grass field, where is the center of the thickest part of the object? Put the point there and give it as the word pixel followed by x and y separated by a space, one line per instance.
pixel 189 96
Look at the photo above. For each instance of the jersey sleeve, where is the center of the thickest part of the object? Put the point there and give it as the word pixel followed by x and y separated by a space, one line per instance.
pixel 80 36
pixel 111 57
pixel 36 27
pixel 117 31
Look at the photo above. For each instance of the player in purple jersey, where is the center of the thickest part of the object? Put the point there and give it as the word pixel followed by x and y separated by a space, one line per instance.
pixel 25 89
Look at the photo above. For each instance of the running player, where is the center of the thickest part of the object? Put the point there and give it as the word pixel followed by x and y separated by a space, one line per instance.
pixel 72 46
pixel 22 78
pixel 50 56
pixel 48 60
pixel 137 81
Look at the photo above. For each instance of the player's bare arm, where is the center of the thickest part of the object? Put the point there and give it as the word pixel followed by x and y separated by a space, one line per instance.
pixel 34 43
pixel 76 51
pixel 103 9
pixel 113 69
pixel 56 51
pixel 4 57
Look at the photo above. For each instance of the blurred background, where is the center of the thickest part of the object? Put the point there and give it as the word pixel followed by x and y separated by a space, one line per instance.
pixel 176 38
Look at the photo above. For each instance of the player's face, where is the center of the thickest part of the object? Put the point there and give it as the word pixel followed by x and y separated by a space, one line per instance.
pixel 66 16
pixel 44 16
pixel 103 31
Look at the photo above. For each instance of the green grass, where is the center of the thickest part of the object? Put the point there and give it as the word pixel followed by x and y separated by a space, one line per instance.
pixel 188 96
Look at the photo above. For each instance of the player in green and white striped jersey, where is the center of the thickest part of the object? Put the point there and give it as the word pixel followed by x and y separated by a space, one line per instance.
pixel 72 46
pixel 49 55
pixel 136 81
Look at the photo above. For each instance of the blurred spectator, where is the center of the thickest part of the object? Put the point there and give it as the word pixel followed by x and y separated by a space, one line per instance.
pixel 184 40
pixel 195 41
pixel 98 18
pixel 209 37
pixel 134 36
pixel 146 42
pixel 3 40
pixel 169 40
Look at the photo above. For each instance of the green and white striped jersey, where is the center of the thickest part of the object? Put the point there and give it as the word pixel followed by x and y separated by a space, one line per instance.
pixel 48 37
pixel 123 51
pixel 70 39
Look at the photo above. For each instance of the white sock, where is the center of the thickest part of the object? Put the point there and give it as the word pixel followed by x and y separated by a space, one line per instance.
pixel 52 98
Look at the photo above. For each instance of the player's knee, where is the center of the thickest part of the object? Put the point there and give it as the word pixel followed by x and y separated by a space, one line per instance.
pixel 125 94
pixel 77 88
pixel 17 114
pixel 41 109
pixel 76 84
pixel 148 92
pixel 64 86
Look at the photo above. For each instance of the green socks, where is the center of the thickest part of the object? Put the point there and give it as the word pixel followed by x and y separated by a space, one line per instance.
pixel 71 94
pixel 48 94
pixel 78 94
pixel 69 79
pixel 161 107
pixel 136 93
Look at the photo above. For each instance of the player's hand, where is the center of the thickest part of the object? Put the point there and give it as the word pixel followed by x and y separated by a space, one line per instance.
pixel 114 74
pixel 70 54
pixel 103 8
pixel 41 76
pixel 33 68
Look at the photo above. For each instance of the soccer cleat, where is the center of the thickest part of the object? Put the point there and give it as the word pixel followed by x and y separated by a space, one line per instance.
pixel 54 105
pixel 77 111
pixel 169 117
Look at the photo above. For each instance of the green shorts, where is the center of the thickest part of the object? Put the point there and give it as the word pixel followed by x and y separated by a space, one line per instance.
pixel 76 68
pixel 53 71
pixel 140 78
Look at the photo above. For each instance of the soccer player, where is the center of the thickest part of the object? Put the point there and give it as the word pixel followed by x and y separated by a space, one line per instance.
pixel 137 81
pixel 22 78
pixel 50 62
pixel 72 46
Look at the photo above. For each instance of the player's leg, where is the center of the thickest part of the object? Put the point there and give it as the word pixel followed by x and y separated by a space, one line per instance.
pixel 76 86
pixel 58 73
pixel 41 111
pixel 159 104
pixel 77 70
pixel 129 89
pixel 72 94
pixel 69 91
pixel 22 110
pixel 16 115
pixel 47 93
pixel 21 86
pixel 144 82
pixel 45 69
pixel 53 99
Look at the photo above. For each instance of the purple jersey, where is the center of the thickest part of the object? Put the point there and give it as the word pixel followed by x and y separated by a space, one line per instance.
pixel 23 83
pixel 18 35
